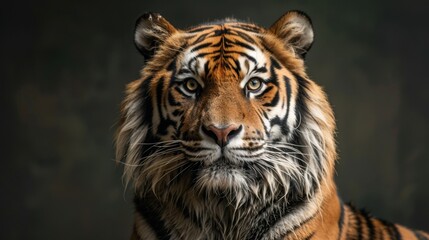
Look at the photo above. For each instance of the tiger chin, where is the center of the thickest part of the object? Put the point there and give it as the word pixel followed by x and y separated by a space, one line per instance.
pixel 225 136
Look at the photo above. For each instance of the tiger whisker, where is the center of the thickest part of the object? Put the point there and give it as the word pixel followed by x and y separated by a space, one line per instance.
pixel 178 174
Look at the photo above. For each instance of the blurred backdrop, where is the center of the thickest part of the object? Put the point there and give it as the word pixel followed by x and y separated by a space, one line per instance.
pixel 64 65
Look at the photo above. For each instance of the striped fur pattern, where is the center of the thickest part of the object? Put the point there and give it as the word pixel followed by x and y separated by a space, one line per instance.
pixel 225 136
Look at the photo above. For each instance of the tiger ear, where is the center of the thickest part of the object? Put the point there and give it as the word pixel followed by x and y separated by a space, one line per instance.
pixel 151 30
pixel 296 31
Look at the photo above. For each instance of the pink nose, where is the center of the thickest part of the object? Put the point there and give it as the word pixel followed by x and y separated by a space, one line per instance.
pixel 222 135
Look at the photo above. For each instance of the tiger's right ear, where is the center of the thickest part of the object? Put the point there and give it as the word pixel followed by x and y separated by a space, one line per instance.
pixel 151 30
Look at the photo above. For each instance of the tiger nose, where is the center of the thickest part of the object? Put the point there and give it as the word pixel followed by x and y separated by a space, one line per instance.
pixel 222 135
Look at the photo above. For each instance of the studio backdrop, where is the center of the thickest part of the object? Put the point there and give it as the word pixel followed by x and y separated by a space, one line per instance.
pixel 65 65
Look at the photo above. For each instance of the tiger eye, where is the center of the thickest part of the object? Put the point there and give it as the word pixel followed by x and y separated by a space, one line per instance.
pixel 254 84
pixel 191 85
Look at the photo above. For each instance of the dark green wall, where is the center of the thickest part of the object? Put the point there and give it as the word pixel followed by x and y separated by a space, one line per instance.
pixel 64 65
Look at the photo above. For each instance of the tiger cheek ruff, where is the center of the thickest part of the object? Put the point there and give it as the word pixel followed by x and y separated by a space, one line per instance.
pixel 225 136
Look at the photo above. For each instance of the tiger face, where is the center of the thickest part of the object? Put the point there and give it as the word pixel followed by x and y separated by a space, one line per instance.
pixel 223 108
pixel 232 107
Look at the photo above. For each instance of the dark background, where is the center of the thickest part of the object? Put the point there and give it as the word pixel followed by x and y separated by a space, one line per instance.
pixel 64 65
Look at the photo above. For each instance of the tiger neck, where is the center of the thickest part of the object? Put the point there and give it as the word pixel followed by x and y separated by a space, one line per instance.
pixel 325 224
pixel 316 220
pixel 315 217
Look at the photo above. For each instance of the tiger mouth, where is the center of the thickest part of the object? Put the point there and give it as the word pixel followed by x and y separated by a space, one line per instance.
pixel 222 174
pixel 223 163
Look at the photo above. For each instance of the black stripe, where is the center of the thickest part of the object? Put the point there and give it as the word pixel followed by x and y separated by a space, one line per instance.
pixel 392 230
pixel 252 156
pixel 163 122
pixel 243 54
pixel 200 39
pixel 159 92
pixel 419 235
pixel 260 70
pixel 206 69
pixel 248 148
pixel 172 101
pixel 246 37
pixel 341 221
pixel 275 214
pixel 221 31
pixel 288 93
pixel 261 115
pixel 218 43
pixel 244 45
pixel 273 78
pixel 153 218
pixel 203 45
pixel 369 225
pixel 381 233
pixel 248 28
pixel 273 101
pixel 358 224
pixel 184 71
pixel 237 68
pixel 281 123
pixel 254 139
pixel 172 66
pixel 275 63
pixel 189 65
pixel 177 112
pixel 203 54
pixel 296 227
pixel 309 236
pixel 301 110
pixel 199 29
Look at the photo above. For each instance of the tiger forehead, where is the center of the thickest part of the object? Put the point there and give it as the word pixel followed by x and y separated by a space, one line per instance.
pixel 227 25
pixel 224 36
pixel 226 50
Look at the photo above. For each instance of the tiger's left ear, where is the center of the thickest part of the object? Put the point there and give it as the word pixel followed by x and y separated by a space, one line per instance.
pixel 150 32
pixel 296 31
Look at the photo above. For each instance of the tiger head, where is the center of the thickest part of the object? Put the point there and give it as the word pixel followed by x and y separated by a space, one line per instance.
pixel 226 108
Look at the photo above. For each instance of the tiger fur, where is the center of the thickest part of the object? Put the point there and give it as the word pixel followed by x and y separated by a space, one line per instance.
pixel 225 136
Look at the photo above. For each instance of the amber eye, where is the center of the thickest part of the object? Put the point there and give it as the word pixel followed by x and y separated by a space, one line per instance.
pixel 254 84
pixel 191 85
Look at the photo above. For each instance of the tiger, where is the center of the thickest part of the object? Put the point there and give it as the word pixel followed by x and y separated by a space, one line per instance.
pixel 225 136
